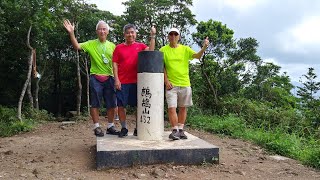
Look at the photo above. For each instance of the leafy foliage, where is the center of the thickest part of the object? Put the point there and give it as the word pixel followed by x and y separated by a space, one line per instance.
pixel 164 14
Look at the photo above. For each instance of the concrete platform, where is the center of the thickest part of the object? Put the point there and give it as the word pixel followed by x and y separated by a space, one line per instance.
pixel 115 152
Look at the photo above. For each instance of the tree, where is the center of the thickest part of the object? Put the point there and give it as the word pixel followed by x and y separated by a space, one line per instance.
pixel 221 40
pixel 162 13
pixel 310 87
pixel 309 103
pixel 226 64
pixel 268 86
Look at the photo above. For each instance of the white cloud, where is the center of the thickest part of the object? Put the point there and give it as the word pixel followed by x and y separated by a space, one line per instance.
pixel 271 60
pixel 308 31
pixel 294 70
pixel 240 6
pixel 115 7
pixel 243 5
pixel 303 37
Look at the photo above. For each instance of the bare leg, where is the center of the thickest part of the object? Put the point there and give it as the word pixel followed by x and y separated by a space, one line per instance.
pixel 173 118
pixel 94 112
pixel 122 113
pixel 116 111
pixel 122 116
pixel 182 116
pixel 110 113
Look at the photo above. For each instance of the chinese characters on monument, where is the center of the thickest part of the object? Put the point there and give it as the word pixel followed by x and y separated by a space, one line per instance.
pixel 146 96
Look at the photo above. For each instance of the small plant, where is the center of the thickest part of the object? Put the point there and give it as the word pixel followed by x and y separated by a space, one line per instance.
pixel 204 162
pixel 215 160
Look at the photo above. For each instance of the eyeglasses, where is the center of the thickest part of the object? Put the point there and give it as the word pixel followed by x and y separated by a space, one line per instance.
pixel 173 33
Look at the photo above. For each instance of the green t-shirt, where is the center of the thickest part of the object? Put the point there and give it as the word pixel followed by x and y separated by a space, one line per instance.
pixel 100 55
pixel 176 62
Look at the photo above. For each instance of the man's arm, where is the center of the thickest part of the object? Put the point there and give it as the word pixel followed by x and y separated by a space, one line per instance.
pixel 204 47
pixel 117 82
pixel 70 28
pixel 166 80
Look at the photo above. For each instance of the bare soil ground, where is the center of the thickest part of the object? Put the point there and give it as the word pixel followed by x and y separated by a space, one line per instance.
pixel 53 151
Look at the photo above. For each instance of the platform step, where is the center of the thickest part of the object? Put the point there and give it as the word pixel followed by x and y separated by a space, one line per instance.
pixel 115 152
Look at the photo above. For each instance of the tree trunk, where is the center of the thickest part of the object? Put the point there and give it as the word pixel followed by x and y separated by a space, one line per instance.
pixel 36 94
pixel 57 85
pixel 79 85
pixel 38 78
pixel 25 87
pixel 212 89
pixel 88 82
pixel 79 80
pixel 29 92
pixel 28 81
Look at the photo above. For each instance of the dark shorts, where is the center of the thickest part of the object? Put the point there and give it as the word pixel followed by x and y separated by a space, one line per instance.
pixel 105 90
pixel 127 95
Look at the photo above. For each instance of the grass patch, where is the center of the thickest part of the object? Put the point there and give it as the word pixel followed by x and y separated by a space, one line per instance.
pixel 16 127
pixel 11 125
pixel 278 141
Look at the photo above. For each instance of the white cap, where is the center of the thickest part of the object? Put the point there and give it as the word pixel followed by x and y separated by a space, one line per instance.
pixel 174 30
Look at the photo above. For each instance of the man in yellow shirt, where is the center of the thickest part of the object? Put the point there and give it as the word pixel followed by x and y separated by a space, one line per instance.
pixel 101 74
pixel 177 81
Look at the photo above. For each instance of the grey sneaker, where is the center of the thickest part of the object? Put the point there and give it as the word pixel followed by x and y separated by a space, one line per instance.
pixel 174 135
pixel 182 135
pixel 112 130
pixel 123 132
pixel 98 132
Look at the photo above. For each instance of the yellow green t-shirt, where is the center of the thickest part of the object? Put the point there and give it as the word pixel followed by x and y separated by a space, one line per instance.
pixel 100 55
pixel 176 62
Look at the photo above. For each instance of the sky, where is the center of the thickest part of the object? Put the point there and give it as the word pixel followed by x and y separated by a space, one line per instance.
pixel 288 31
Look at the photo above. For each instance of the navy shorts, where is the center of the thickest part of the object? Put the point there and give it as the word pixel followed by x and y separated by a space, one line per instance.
pixel 105 90
pixel 127 95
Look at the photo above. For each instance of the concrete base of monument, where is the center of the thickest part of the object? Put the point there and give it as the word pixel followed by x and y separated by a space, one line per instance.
pixel 115 152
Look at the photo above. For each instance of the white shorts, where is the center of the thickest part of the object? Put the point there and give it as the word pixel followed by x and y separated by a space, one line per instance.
pixel 179 97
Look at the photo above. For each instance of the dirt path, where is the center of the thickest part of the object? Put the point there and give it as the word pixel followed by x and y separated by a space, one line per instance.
pixel 68 152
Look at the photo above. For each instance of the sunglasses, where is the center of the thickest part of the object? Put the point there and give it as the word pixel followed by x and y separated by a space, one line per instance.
pixel 173 33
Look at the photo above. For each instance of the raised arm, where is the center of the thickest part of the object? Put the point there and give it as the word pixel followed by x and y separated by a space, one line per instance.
pixel 70 28
pixel 152 39
pixel 204 47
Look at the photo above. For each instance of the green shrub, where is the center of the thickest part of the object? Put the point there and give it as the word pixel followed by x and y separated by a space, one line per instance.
pixel 310 153
pixel 7 115
pixel 22 126
pixel 15 127
pixel 228 125
pixel 262 115
pixel 276 140
pixel 313 158
pixel 37 115
pixel 10 124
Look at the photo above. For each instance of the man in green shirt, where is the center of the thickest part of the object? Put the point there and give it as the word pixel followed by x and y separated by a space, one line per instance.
pixel 176 77
pixel 101 74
